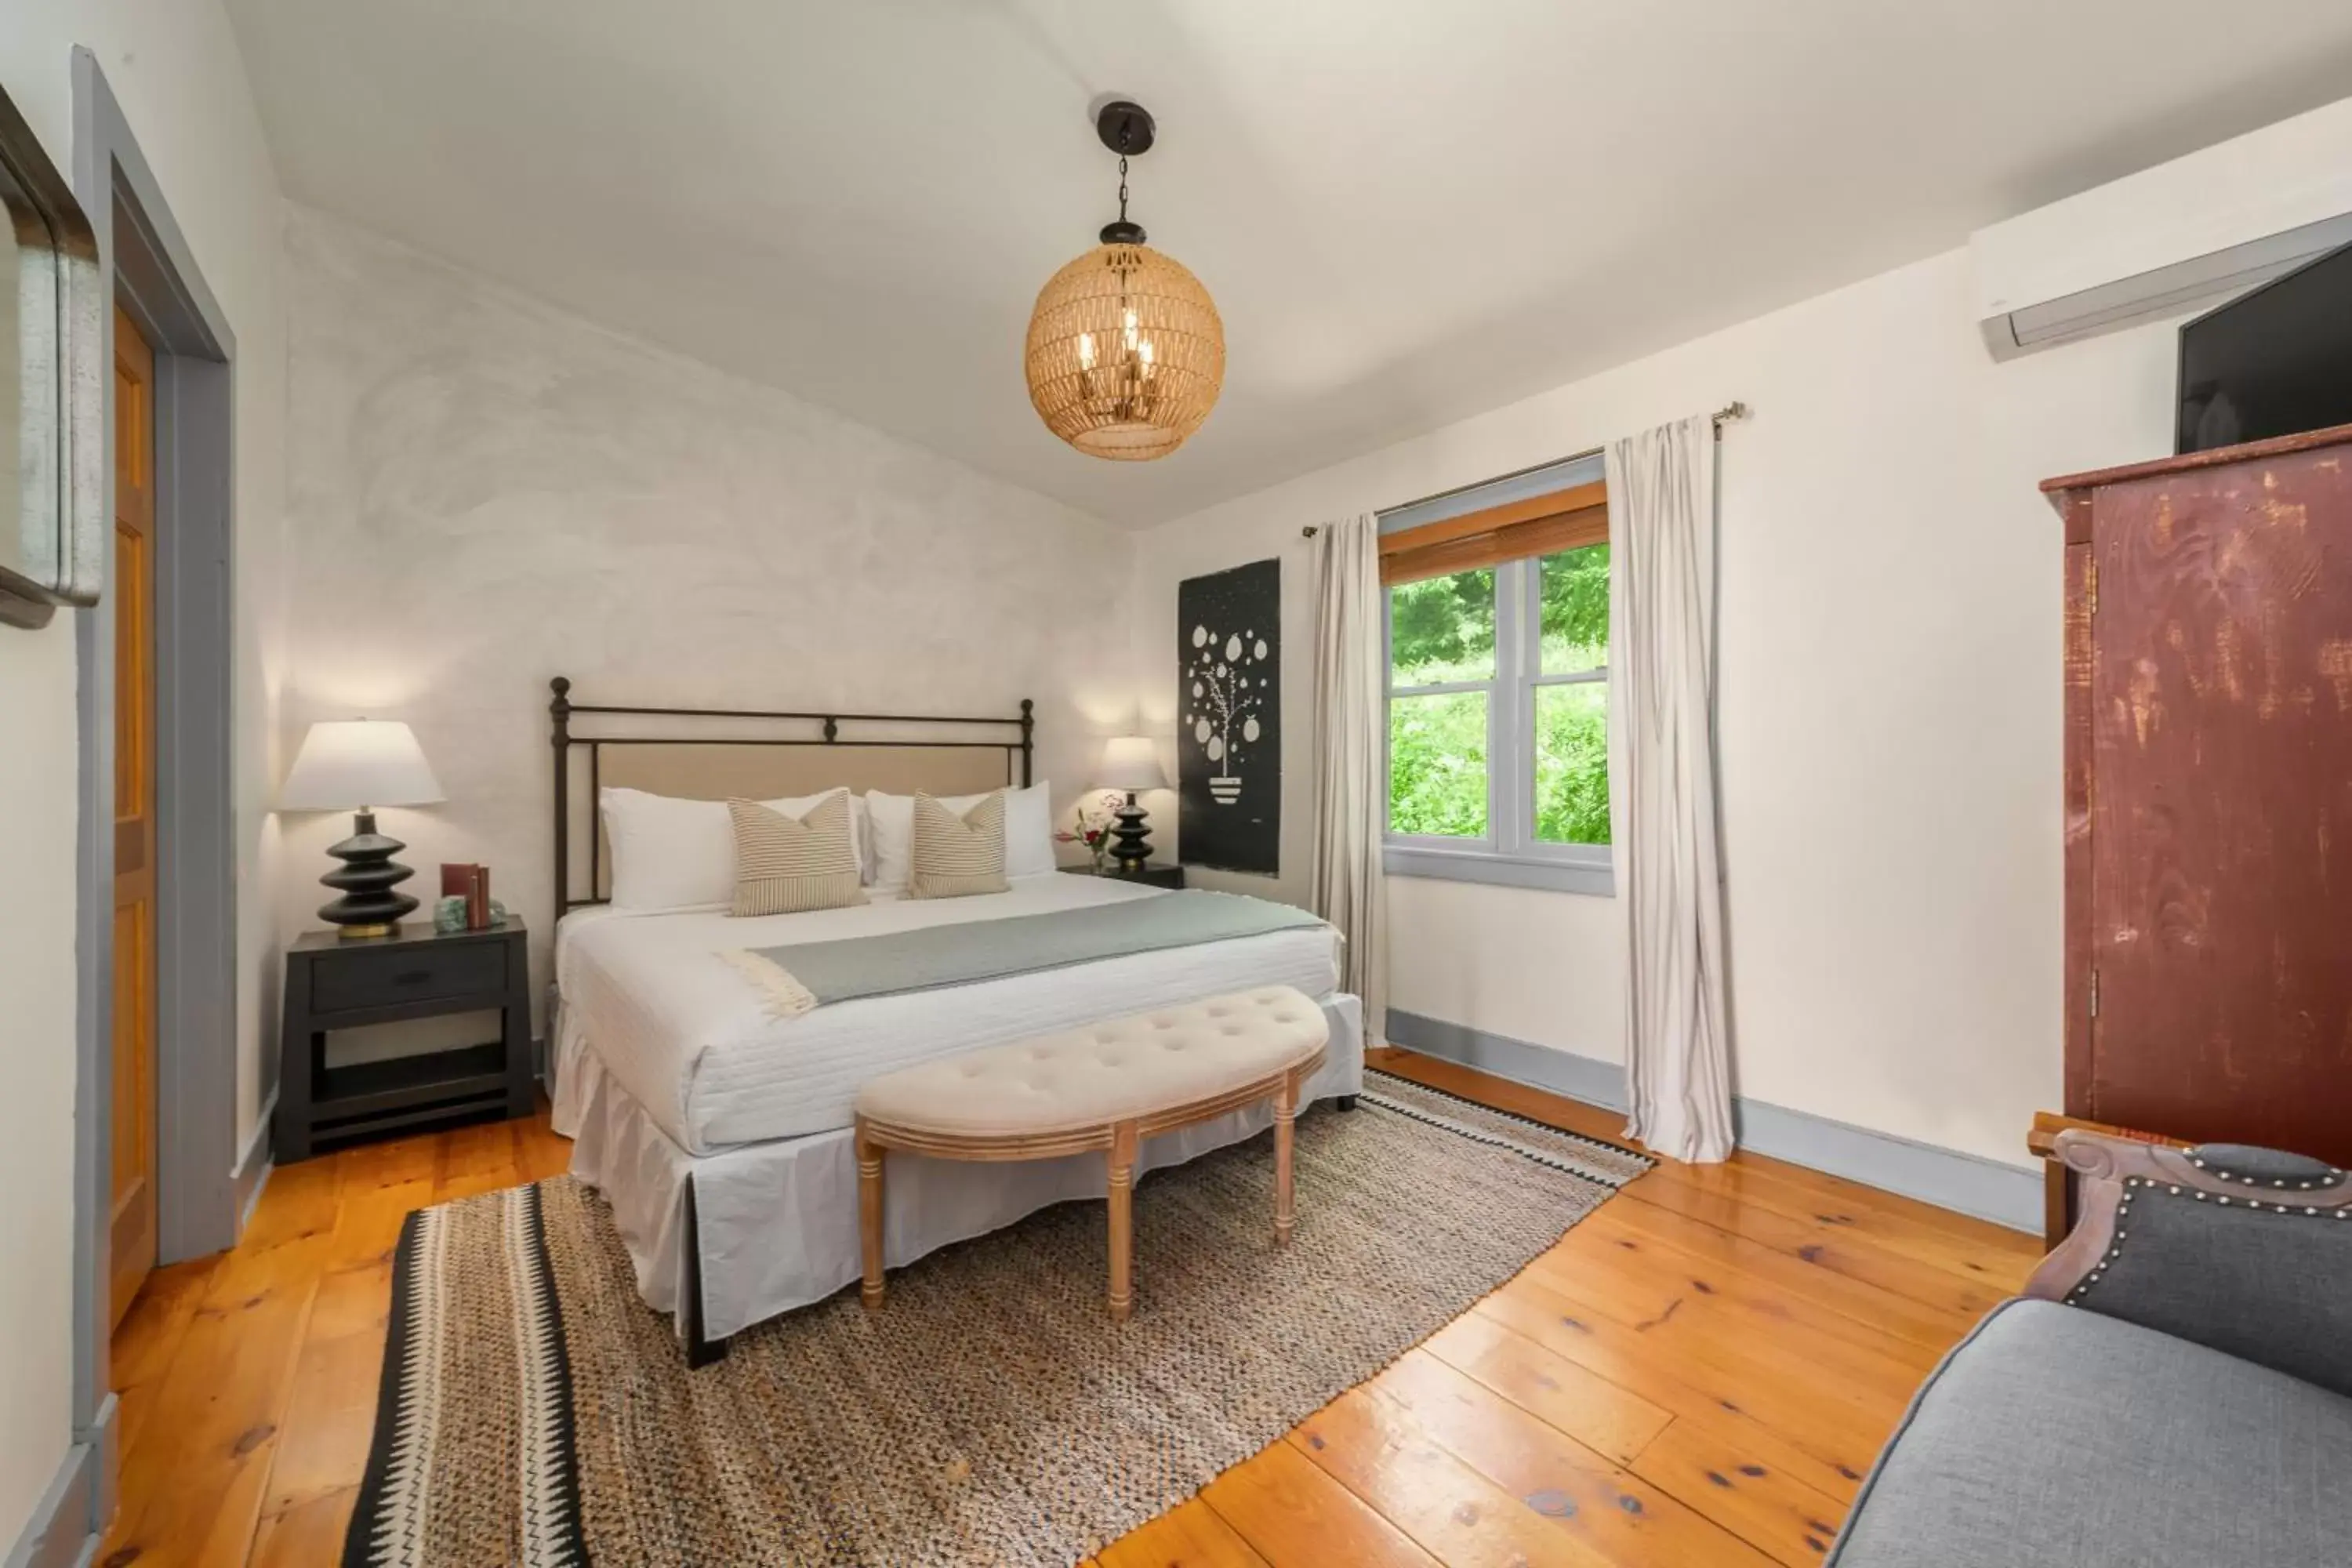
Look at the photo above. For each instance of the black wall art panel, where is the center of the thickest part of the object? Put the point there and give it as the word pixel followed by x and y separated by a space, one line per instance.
pixel 1229 707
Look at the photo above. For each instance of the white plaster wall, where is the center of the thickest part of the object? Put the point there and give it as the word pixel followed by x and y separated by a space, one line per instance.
pixel 1889 699
pixel 174 65
pixel 489 492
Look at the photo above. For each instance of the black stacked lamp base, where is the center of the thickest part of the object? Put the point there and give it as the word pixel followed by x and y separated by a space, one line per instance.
pixel 369 907
pixel 1130 842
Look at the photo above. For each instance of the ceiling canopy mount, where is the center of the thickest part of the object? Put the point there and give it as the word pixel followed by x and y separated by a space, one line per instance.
pixel 1126 127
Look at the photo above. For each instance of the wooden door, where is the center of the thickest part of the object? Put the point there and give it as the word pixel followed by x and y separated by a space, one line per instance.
pixel 132 1233
pixel 2220 810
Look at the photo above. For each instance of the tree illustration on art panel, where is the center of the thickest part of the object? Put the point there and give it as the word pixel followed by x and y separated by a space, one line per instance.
pixel 1228 693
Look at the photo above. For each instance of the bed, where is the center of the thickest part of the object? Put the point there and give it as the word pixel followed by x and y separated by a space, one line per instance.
pixel 718 1131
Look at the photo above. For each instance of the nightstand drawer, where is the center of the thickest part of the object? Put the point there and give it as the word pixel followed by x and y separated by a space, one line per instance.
pixel 411 973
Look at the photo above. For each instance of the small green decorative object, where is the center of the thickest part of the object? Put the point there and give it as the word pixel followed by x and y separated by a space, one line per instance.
pixel 449 915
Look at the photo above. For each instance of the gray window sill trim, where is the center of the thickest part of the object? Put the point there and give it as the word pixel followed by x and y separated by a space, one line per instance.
pixel 1499 870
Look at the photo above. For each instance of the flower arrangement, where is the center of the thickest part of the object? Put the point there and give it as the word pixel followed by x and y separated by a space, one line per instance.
pixel 1091 827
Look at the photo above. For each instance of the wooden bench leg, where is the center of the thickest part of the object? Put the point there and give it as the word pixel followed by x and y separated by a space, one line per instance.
pixel 869 1216
pixel 1122 1221
pixel 1286 1115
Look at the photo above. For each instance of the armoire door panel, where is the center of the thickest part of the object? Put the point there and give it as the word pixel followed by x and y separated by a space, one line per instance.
pixel 2081 661
pixel 2220 803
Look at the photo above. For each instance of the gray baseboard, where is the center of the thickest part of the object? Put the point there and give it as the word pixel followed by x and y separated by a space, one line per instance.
pixel 1538 1066
pixel 254 1163
pixel 2007 1195
pixel 62 1533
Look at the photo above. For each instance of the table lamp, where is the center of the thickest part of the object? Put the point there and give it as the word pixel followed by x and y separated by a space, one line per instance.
pixel 1130 762
pixel 356 766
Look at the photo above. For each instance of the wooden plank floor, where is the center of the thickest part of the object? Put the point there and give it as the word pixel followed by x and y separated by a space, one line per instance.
pixel 1698 1374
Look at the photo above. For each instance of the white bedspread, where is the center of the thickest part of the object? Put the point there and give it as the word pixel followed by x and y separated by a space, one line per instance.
pixel 692 1043
pixel 779 1220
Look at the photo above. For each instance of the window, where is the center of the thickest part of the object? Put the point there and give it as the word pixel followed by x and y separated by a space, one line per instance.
pixel 1499 689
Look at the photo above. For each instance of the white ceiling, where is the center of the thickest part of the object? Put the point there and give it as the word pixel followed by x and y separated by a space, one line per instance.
pixel 1407 212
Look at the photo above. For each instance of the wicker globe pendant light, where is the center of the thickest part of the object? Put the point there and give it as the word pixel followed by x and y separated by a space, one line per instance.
pixel 1126 353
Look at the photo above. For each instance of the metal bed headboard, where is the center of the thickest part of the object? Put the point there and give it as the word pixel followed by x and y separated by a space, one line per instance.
pixel 891 730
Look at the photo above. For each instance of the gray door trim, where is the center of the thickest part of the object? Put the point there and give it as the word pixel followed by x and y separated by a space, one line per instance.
pixel 147 267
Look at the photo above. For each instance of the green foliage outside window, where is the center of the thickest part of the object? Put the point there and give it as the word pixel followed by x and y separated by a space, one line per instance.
pixel 1572 722
pixel 1575 587
pixel 1572 763
pixel 1442 631
pixel 1437 765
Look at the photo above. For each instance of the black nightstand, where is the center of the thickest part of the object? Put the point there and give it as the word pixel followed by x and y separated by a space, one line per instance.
pixel 1155 874
pixel 338 982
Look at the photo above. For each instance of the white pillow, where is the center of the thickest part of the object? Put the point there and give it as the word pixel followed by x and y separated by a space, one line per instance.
pixel 1028 832
pixel 670 853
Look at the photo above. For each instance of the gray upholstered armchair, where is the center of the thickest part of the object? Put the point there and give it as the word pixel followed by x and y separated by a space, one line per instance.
pixel 2174 1389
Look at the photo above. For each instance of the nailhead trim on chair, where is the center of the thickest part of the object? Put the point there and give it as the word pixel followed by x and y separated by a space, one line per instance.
pixel 2334 1178
pixel 2133 1184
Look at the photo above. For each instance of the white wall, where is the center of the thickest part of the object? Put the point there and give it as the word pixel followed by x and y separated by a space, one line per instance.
pixel 174 67
pixel 1889 699
pixel 491 492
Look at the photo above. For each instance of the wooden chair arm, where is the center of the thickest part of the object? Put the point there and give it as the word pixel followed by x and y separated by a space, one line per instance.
pixel 2112 1169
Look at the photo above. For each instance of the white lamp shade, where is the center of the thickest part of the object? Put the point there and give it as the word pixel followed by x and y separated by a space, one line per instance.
pixel 1131 761
pixel 348 764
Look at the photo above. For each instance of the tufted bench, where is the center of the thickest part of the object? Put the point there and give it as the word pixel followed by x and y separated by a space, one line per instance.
pixel 1106 1086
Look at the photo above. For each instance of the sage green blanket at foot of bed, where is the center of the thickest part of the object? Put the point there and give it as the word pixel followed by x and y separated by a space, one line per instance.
pixel 802 976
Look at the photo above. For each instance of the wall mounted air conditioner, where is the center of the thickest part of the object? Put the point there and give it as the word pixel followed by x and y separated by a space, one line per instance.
pixel 2165 240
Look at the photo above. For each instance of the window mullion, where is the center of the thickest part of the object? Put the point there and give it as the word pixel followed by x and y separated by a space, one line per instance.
pixel 1388 639
pixel 1530 641
pixel 1531 657
pixel 1532 652
pixel 1388 708
pixel 1507 791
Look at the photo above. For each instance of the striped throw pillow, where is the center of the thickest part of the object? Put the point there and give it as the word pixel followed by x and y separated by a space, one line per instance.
pixel 955 856
pixel 785 865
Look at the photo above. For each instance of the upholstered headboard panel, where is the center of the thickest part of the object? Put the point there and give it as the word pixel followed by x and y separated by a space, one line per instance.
pixel 712 754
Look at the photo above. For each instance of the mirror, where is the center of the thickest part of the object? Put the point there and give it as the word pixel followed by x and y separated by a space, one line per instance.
pixel 53 525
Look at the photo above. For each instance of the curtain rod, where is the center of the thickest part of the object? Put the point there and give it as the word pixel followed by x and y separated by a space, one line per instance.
pixel 1730 411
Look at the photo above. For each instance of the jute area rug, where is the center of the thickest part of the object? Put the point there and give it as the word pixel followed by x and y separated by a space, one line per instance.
pixel 535 1411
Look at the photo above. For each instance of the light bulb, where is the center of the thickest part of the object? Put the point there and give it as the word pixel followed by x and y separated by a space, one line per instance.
pixel 1085 350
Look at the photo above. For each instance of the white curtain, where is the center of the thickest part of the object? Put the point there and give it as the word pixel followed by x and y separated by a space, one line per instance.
pixel 1662 787
pixel 1350 766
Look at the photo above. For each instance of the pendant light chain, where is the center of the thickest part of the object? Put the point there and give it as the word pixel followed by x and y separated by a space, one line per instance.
pixel 1122 187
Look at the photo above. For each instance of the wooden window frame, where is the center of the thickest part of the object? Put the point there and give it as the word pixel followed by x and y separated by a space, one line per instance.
pixel 1512 539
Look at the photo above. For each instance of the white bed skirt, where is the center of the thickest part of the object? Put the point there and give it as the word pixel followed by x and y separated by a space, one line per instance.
pixel 779 1220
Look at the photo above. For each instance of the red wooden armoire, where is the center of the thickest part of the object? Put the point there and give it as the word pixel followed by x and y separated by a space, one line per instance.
pixel 2209 794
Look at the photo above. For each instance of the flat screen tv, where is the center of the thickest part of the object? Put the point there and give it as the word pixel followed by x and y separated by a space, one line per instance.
pixel 2276 362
